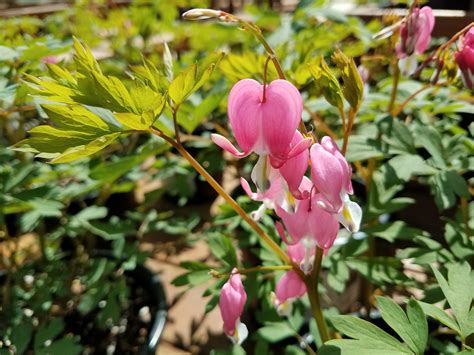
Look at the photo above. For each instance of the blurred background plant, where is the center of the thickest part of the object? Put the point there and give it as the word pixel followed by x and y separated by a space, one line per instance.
pixel 412 156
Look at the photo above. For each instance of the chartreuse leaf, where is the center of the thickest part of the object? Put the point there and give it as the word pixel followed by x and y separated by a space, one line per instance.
pixel 75 117
pixel 458 290
pixel 366 339
pixel 82 151
pixel 190 80
pixel 246 65
pixel 326 83
pixel 411 327
pixel 79 129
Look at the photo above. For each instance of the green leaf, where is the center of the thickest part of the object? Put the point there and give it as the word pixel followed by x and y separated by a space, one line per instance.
pixel 222 248
pixel 183 84
pixel 147 100
pixel 458 291
pixel 83 151
pixel 275 332
pixel 394 230
pixel 440 315
pixel 191 80
pixel 412 329
pixel 445 186
pixel 76 118
pixel 407 165
pixel 66 345
pixel 21 336
pixel 431 140
pixel 246 65
pixel 351 347
pixel 367 336
pixel 419 325
pixel 192 278
pixel 48 331
pixel 397 135
pixel 136 122
pixel 379 270
pixel 362 148
pixel 7 53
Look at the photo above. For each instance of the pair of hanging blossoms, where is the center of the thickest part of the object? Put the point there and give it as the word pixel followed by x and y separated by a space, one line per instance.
pixel 415 36
pixel 264 120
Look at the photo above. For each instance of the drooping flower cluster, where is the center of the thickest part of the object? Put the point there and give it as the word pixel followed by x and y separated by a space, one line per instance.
pixel 465 59
pixel 264 121
pixel 415 36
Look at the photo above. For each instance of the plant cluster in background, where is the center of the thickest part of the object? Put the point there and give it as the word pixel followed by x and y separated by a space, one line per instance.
pixel 400 113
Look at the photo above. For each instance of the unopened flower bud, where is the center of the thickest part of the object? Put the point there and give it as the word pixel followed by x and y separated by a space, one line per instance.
pixel 326 83
pixel 353 86
pixel 202 14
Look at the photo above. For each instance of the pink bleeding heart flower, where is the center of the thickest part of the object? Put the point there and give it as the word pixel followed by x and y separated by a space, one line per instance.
pixel 293 169
pixel 331 174
pixel 231 304
pixel 278 186
pixel 264 125
pixel 288 288
pixel 415 32
pixel 302 255
pixel 415 36
pixel 310 225
pixel 465 59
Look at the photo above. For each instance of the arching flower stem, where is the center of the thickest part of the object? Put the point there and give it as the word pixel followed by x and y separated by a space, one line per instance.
pixel 220 190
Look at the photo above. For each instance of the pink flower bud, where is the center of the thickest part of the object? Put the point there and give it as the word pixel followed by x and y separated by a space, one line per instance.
pixel 331 174
pixel 288 288
pixel 415 32
pixel 267 125
pixel 465 59
pixel 231 304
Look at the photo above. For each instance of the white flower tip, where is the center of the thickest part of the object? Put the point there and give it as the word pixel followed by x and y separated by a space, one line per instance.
pixel 306 268
pixel 283 308
pixel 241 333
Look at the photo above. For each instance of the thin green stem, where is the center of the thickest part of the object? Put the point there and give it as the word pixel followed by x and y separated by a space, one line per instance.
pixel 312 282
pixel 175 123
pixel 397 111
pixel 348 130
pixel 265 268
pixel 259 36
pixel 396 80
pixel 343 117
pixel 257 32
pixel 465 215
pixel 235 206
pixel 252 269
pixel 265 72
